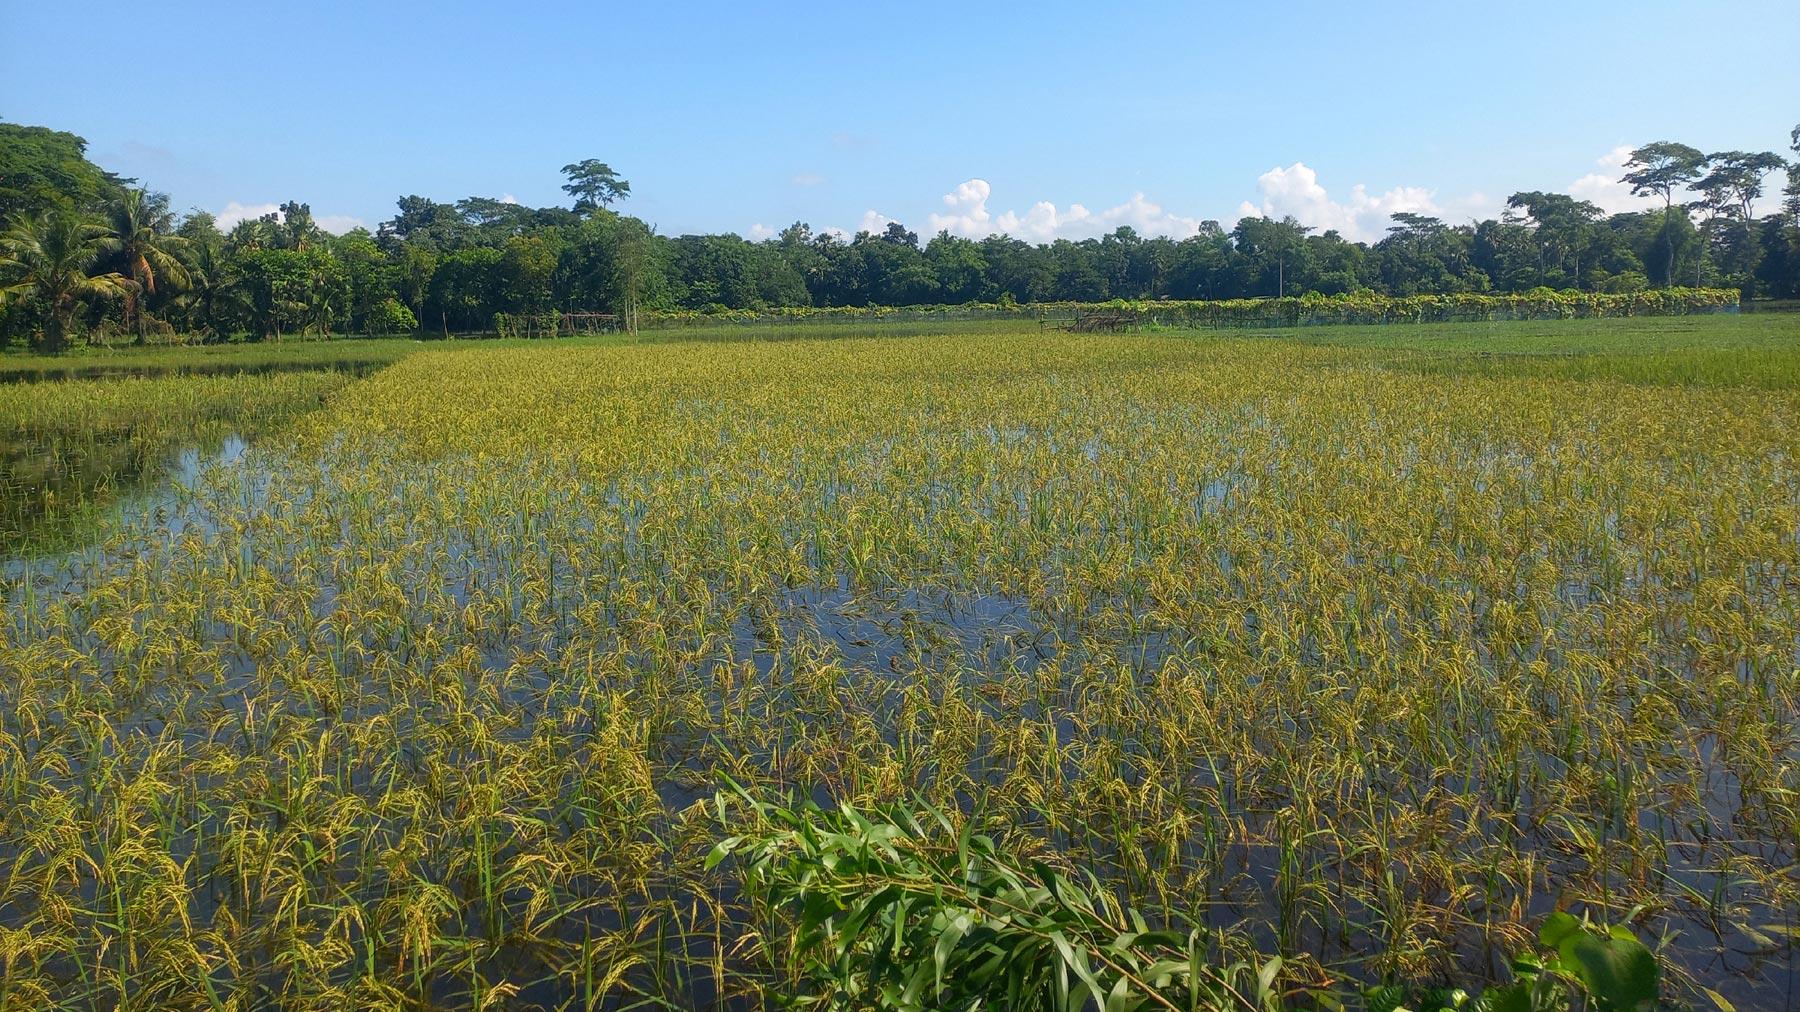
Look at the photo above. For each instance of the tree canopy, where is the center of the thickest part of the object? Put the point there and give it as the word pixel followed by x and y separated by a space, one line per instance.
pixel 454 265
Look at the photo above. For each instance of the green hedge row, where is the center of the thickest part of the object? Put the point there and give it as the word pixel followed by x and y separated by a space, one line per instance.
pixel 1538 304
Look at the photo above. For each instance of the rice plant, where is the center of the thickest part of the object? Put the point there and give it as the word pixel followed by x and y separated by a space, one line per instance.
pixel 1333 675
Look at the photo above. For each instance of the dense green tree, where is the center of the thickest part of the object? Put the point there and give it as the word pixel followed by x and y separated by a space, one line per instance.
pixel 425 224
pixel 1659 169
pixel 959 267
pixel 414 270
pixel 1562 229
pixel 895 268
pixel 452 266
pixel 371 278
pixel 293 226
pixel 899 235
pixel 294 290
pixel 1338 266
pixel 1422 254
pixel 528 271
pixel 1205 266
pixel 41 168
pixel 798 248
pixel 142 243
pixel 613 264
pixel 594 185
pixel 1735 180
pixel 1018 270
pixel 1273 250
pixel 1077 275
pixel 51 259
pixel 1791 193
pixel 213 302
pixel 465 290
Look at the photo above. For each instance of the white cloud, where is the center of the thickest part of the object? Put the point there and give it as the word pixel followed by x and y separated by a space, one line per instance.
pixel 873 221
pixel 1296 190
pixel 1603 188
pixel 338 224
pixel 1292 190
pixel 234 212
pixel 967 214
pixel 507 198
pixel 968 211
pixel 759 232
pixel 808 179
pixel 1474 207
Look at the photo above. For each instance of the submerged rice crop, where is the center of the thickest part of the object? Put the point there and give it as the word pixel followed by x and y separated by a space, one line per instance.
pixel 426 701
pixel 69 449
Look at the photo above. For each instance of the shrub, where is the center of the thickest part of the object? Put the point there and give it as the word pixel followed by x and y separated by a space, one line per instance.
pixel 1629 299
pixel 391 317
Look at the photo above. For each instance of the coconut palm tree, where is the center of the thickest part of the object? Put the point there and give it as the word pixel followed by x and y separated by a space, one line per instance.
pixel 214 294
pixel 47 259
pixel 142 244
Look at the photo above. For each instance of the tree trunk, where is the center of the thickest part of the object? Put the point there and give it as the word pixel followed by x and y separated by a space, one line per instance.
pixel 55 332
pixel 1669 237
pixel 133 319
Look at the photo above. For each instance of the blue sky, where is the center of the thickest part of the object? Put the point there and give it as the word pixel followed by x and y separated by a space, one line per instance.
pixel 1041 119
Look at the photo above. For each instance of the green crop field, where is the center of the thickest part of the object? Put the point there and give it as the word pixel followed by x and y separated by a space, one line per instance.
pixel 1370 649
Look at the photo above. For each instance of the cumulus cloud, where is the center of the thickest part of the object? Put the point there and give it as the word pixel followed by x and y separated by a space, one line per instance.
pixel 1295 190
pixel 873 221
pixel 966 213
pixel 234 212
pixel 507 198
pixel 759 232
pixel 338 224
pixel 1603 188
pixel 1358 215
pixel 808 179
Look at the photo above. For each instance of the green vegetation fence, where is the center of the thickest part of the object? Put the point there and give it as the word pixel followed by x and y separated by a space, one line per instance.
pixel 1304 310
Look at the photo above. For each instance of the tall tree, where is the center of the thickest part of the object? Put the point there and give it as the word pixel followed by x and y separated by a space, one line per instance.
pixel 141 240
pixel 1563 228
pixel 899 235
pixel 46 260
pixel 213 292
pixel 41 168
pixel 294 227
pixel 1736 180
pixel 1659 169
pixel 426 225
pixel 594 185
pixel 1792 192
pixel 1267 243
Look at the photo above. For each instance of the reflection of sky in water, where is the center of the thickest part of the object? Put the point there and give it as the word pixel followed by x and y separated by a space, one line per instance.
pixel 891 641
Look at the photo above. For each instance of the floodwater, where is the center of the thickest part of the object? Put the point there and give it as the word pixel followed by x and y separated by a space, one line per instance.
pixel 878 636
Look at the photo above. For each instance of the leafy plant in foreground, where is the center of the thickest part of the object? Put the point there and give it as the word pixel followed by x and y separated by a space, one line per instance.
pixel 903 910
pixel 1606 968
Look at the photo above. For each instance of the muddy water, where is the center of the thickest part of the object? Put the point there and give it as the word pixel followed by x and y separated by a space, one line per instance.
pixel 887 637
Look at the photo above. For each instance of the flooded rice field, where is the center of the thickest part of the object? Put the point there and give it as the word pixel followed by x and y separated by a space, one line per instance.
pixel 424 694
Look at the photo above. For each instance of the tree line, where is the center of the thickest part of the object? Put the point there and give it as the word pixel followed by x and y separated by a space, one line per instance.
pixel 87 254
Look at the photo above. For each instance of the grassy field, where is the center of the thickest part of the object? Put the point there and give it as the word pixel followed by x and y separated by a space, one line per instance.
pixel 1731 350
pixel 1370 648
pixel 69 449
pixel 204 359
